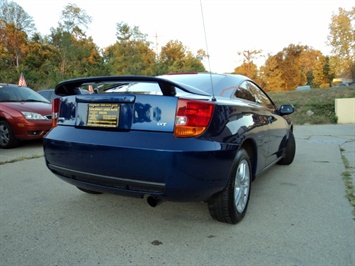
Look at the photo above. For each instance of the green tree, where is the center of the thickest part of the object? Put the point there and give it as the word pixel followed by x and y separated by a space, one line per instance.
pixel 131 54
pixel 342 40
pixel 69 39
pixel 130 58
pixel 126 33
pixel 75 21
pixel 322 74
pixel 11 12
pixel 175 57
pixel 40 63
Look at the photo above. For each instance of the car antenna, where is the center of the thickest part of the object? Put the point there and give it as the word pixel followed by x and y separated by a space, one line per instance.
pixel 208 55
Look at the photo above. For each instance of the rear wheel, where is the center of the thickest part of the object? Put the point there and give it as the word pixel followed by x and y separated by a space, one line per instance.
pixel 230 205
pixel 290 150
pixel 7 137
pixel 89 191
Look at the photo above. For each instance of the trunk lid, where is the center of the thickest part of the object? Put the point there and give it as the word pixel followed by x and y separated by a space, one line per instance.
pixel 121 103
pixel 119 112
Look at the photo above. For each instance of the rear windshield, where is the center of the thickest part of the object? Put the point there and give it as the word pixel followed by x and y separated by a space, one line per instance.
pixel 136 88
pixel 139 88
pixel 202 82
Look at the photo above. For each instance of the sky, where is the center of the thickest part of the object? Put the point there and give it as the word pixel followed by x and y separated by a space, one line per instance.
pixel 221 27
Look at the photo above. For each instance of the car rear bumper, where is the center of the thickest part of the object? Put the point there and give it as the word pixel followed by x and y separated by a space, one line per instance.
pixel 175 169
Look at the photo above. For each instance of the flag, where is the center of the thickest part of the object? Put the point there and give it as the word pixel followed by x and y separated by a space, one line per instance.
pixel 22 81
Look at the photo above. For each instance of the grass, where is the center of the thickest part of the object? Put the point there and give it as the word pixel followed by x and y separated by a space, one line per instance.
pixel 349 186
pixel 22 158
pixel 318 102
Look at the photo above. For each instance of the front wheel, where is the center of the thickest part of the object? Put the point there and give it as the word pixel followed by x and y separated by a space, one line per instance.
pixel 7 136
pixel 230 205
pixel 290 151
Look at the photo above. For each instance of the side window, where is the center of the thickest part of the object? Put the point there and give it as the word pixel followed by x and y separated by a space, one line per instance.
pixel 46 94
pixel 251 92
pixel 259 95
pixel 243 92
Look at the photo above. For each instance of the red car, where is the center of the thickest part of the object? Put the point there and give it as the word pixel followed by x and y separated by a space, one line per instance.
pixel 24 115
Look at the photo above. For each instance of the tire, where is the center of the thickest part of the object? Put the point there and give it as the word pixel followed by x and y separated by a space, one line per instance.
pixel 7 137
pixel 89 191
pixel 230 205
pixel 290 151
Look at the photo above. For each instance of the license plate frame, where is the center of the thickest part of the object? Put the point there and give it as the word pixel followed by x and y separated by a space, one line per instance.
pixel 103 115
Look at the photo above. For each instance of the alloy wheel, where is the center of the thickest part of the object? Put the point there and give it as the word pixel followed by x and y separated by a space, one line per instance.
pixel 242 186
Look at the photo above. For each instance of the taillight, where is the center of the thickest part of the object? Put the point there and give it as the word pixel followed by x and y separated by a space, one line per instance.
pixel 55 109
pixel 192 117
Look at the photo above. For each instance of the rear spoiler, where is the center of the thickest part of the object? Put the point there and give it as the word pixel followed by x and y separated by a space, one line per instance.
pixel 71 87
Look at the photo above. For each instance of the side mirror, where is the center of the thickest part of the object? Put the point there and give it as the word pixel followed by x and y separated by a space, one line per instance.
pixel 286 109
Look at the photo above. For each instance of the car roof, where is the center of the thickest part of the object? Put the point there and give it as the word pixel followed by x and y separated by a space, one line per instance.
pixel 11 85
pixel 222 84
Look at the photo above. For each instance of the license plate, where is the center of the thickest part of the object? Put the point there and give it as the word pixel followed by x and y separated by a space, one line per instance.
pixel 103 115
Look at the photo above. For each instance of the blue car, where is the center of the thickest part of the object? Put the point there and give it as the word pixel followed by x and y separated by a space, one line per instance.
pixel 177 137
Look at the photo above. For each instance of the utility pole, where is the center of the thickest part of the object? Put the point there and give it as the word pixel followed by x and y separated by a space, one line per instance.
pixel 156 44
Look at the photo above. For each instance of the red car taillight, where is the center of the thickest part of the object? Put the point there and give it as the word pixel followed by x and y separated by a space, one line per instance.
pixel 55 109
pixel 192 117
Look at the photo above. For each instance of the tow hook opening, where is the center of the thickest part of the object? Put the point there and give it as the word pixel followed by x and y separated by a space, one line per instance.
pixel 154 201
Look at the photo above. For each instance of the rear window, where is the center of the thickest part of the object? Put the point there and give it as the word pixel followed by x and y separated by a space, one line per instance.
pixel 202 82
pixel 139 88
pixel 136 88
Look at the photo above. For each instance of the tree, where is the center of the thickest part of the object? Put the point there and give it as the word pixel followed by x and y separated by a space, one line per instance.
pixel 248 68
pixel 75 20
pixel 133 57
pixel 14 43
pixel 322 74
pixel 294 66
pixel 175 57
pixel 271 78
pixel 67 38
pixel 15 25
pixel 40 63
pixel 10 12
pixel 125 33
pixel 313 64
pixel 131 54
pixel 342 40
pixel 292 72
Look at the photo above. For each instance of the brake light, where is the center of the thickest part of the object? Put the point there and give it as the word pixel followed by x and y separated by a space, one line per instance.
pixel 192 117
pixel 55 110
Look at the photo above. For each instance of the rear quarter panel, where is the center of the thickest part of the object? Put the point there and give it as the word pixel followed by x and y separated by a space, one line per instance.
pixel 237 122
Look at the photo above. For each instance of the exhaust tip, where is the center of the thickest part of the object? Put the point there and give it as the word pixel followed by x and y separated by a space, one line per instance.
pixel 154 201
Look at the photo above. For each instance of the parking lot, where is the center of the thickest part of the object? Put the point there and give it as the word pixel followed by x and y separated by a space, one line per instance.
pixel 297 215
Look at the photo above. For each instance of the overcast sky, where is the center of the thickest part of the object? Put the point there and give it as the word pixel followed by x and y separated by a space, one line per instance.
pixel 231 25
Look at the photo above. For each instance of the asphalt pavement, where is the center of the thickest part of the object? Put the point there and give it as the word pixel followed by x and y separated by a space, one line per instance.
pixel 297 215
